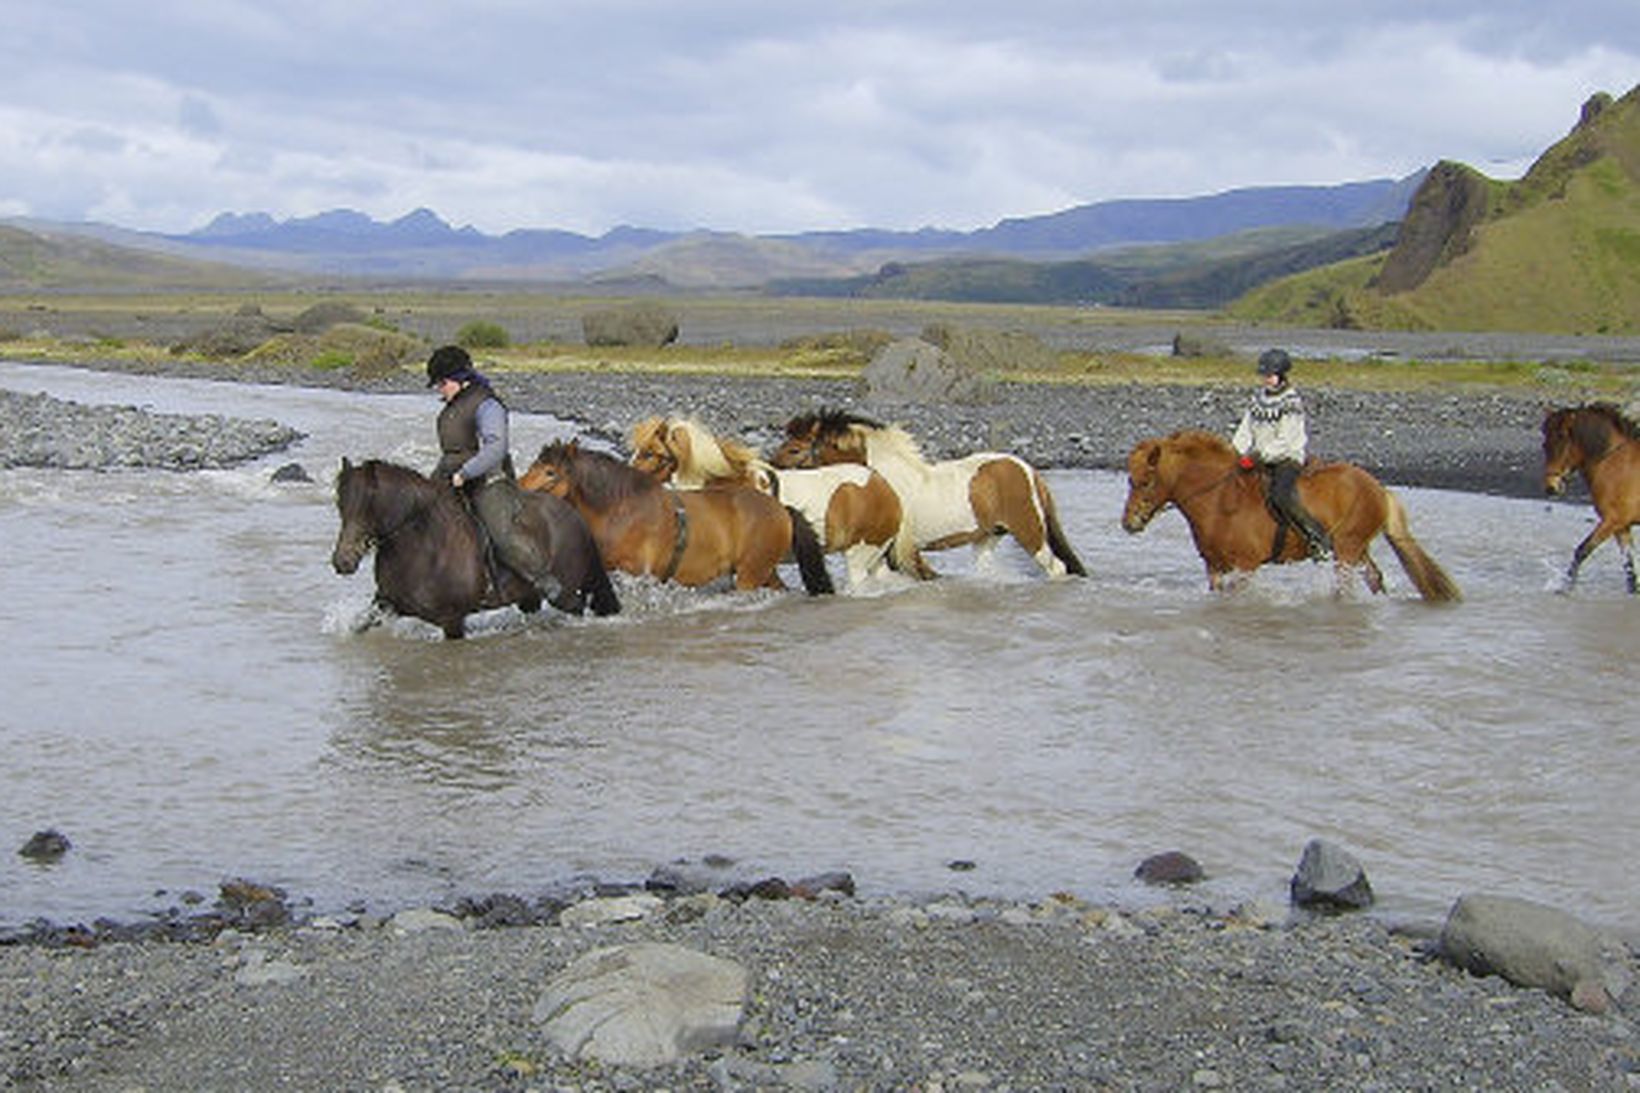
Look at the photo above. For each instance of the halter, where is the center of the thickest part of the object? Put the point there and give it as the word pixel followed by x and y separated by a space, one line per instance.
pixel 681 542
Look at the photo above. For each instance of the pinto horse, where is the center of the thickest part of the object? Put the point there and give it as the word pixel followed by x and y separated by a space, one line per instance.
pixel 852 508
pixel 1600 441
pixel 430 553
pixel 975 499
pixel 688 536
pixel 1197 472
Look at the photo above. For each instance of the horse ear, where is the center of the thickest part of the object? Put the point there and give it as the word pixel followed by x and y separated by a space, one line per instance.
pixel 1154 456
pixel 347 464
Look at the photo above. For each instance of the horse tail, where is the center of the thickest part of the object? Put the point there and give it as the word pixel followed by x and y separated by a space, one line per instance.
pixel 1431 580
pixel 811 556
pixel 1057 542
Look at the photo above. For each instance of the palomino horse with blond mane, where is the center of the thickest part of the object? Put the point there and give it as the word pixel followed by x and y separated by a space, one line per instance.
pixel 852 508
pixel 1197 473
pixel 1600 441
pixel 975 499
pixel 692 537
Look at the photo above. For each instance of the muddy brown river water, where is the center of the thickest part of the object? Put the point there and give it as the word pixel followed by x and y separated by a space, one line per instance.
pixel 188 699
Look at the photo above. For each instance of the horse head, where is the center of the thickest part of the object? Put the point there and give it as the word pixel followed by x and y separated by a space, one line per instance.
pixel 1146 495
pixel 829 436
pixel 553 469
pixel 653 452
pixel 1576 436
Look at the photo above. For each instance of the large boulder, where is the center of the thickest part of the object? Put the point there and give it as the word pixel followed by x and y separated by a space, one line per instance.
pixel 646 324
pixel 643 1005
pixel 1533 945
pixel 912 370
pixel 992 351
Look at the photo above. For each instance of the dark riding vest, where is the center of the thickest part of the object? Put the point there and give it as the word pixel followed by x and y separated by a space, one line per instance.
pixel 458 432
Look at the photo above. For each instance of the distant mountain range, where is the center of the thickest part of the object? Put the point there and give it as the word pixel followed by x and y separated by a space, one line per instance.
pixel 422 246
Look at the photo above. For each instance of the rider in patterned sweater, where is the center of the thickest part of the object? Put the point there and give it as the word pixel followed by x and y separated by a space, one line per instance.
pixel 1271 433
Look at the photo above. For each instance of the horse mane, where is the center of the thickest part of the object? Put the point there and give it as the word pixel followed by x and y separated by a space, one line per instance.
pixel 848 430
pixel 1609 411
pixel 706 455
pixel 599 475
pixel 1198 444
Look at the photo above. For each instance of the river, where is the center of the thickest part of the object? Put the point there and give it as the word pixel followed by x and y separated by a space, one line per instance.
pixel 189 699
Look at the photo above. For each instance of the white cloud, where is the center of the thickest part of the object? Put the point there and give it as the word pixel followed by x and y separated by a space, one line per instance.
pixel 765 116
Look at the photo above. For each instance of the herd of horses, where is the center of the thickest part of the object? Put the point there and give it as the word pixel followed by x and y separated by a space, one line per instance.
pixel 693 508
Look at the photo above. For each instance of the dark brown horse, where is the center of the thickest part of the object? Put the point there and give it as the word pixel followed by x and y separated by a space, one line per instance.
pixel 1605 445
pixel 1197 473
pixel 692 537
pixel 430 557
pixel 976 499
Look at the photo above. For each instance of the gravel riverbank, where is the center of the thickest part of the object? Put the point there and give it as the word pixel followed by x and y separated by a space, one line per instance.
pixel 842 995
pixel 1481 441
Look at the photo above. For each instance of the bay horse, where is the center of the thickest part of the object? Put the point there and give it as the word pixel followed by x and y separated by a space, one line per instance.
pixel 1598 440
pixel 852 508
pixel 975 499
pixel 1234 531
pixel 430 554
pixel 692 537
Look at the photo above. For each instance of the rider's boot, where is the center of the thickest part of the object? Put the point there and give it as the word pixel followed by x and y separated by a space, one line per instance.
pixel 1315 537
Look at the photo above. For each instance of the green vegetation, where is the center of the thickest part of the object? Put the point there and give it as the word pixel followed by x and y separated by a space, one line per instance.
pixel 1556 252
pixel 483 334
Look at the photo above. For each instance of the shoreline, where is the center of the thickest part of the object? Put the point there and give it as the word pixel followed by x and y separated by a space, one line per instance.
pixel 1477 441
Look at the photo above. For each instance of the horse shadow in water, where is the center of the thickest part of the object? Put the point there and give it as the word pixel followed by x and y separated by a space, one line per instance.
pixel 431 557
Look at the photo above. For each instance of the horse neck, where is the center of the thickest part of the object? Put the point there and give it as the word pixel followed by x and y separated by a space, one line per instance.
pixel 894 453
pixel 601 483
pixel 1196 478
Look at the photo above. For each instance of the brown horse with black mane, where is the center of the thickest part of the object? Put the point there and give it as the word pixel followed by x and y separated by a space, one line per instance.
pixel 1234 531
pixel 430 553
pixel 692 537
pixel 1600 441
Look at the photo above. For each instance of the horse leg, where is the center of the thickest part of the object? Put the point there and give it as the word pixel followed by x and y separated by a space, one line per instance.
pixel 1625 541
pixel 861 560
pixel 1372 574
pixel 1584 549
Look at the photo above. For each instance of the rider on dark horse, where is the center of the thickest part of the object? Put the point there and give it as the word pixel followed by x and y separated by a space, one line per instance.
pixel 1271 434
pixel 476 460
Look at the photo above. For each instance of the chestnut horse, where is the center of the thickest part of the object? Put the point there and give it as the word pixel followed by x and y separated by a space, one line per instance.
pixel 1197 472
pixel 1605 445
pixel 692 537
pixel 852 508
pixel 430 555
pixel 975 499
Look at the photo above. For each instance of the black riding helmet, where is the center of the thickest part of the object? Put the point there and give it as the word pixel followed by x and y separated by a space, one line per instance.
pixel 1274 362
pixel 448 362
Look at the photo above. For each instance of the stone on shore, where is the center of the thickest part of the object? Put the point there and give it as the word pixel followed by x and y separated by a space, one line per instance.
pixel 1329 878
pixel 643 1005
pixel 1534 945
pixel 912 370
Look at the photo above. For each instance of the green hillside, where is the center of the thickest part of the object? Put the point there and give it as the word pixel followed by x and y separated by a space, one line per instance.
pixel 1557 251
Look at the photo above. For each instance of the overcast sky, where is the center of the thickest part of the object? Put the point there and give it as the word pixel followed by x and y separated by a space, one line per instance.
pixel 762 115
